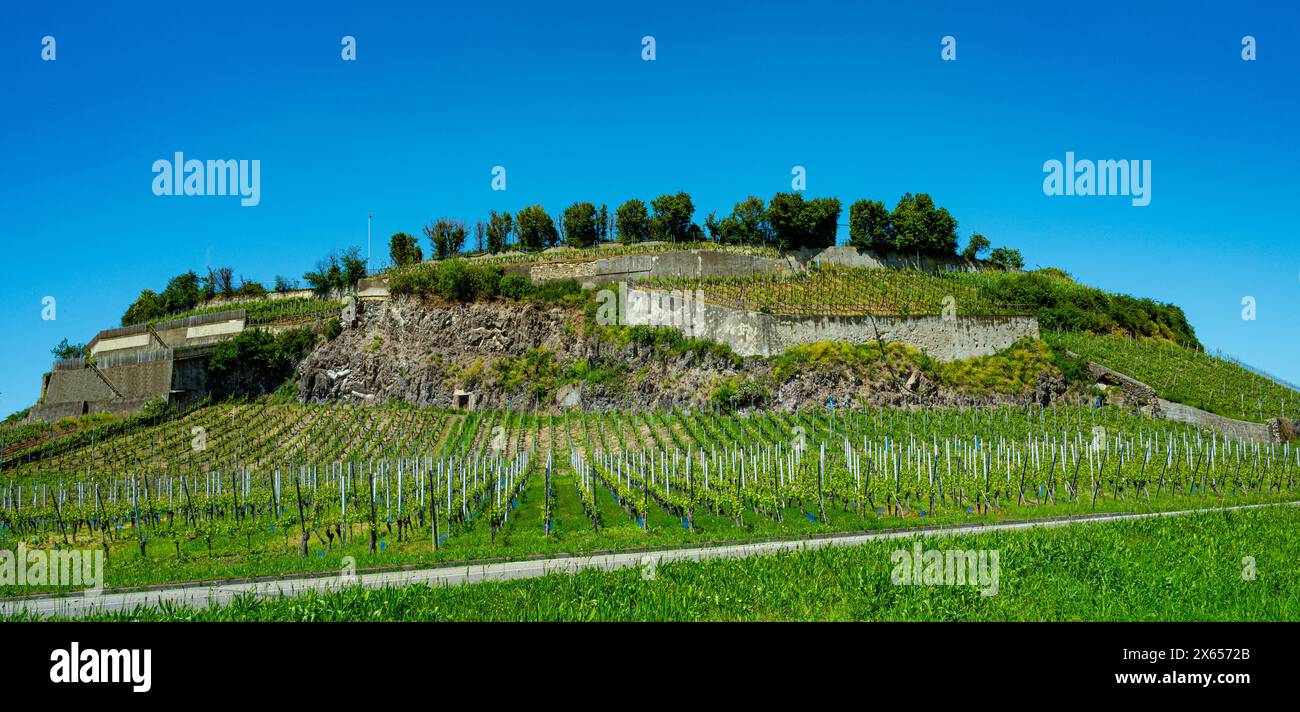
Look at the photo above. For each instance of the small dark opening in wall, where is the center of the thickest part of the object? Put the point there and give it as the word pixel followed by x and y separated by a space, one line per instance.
pixel 460 399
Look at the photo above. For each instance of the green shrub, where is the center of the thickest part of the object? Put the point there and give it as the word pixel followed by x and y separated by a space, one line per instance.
pixel 256 362
pixel 738 392
pixel 514 286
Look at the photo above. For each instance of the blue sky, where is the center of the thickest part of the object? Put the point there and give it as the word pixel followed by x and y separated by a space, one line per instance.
pixel 558 94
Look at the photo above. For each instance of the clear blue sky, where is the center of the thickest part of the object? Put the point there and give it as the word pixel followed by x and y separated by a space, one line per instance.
pixel 558 94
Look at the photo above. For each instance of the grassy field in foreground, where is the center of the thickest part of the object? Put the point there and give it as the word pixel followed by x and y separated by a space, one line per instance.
pixel 1176 568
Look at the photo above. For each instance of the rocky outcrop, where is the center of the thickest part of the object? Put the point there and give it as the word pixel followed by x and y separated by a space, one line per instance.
pixel 516 354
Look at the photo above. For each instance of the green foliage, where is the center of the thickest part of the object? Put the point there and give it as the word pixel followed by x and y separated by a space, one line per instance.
pixel 633 222
pixel 1044 574
pixel 664 341
pixel 735 392
pixel 499 227
pixel 337 272
pixel 580 225
pixel 869 226
pixel 977 246
pixel 1186 375
pixel 535 229
pixel 17 416
pixel 1013 370
pixel 1007 258
pixel 917 226
pixel 849 291
pixel 332 329
pixel 182 293
pixel 271 311
pixel 460 280
pixel 867 360
pixel 156 408
pixel 447 237
pixel 250 289
pixel 1063 305
pixel 256 361
pixel 747 225
pixel 797 223
pixel 559 291
pixel 1074 369
pixel 64 350
pixel 672 219
pixel 535 374
pixel 146 308
pixel 403 250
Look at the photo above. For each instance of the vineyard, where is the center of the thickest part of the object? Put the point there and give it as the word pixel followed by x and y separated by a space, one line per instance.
pixel 259 488
pixel 848 291
pixel 618 249
pixel 263 312
pixel 1187 376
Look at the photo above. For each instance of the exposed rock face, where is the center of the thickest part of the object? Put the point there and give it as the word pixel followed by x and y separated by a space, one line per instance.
pixel 406 350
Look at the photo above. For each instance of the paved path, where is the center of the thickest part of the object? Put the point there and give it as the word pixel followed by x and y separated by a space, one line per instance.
pixel 200 596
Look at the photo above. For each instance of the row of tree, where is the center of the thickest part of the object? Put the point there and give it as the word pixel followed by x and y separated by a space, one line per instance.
pixel 189 290
pixel 186 291
pixel 915 226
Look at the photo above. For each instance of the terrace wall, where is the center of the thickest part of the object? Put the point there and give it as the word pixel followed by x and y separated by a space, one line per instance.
pixel 687 263
pixel 592 273
pixel 751 333
pixel 199 330
pixel 1143 398
pixel 1235 429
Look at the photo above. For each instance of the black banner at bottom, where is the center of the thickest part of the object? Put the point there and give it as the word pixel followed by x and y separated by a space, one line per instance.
pixel 335 661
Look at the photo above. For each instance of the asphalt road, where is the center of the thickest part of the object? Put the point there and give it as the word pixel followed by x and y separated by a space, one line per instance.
pixel 200 596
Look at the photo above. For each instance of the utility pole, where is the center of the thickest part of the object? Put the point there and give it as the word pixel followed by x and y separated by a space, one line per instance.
pixel 369 265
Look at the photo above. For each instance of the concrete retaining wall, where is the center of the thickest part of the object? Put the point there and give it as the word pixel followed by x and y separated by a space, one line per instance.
pixel 1235 429
pixel 1142 398
pixel 751 333
pixel 694 264
pixel 846 256
pixel 180 333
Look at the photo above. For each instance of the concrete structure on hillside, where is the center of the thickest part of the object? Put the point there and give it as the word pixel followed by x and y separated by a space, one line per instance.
pixel 594 272
pixel 1141 398
pixel 751 333
pixel 132 365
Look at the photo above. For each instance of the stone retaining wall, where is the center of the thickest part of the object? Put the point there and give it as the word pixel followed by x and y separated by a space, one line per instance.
pixel 751 333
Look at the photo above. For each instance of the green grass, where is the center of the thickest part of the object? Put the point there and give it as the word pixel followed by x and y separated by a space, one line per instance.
pixel 1185 568
pixel 1187 376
